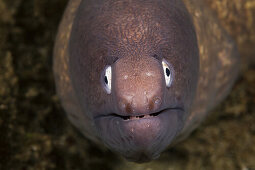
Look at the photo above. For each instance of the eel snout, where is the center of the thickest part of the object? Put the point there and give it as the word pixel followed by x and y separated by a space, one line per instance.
pixel 139 87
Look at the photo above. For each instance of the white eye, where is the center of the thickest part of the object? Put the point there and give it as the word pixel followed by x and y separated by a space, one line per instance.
pixel 167 73
pixel 107 79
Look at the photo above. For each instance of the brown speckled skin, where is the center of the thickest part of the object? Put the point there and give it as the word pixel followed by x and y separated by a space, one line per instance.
pixel 219 65
pixel 62 78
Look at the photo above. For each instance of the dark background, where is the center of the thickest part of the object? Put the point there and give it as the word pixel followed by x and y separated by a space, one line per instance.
pixel 35 133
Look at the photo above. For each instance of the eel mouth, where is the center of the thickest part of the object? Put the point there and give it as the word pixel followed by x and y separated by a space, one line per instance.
pixel 137 116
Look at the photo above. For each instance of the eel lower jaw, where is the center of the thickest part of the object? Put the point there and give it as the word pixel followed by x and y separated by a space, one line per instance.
pixel 140 138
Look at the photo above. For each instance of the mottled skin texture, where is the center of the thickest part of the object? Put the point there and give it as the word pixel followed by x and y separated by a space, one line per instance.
pixel 134 37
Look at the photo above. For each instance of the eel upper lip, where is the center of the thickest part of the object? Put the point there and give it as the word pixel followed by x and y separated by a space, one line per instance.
pixel 139 115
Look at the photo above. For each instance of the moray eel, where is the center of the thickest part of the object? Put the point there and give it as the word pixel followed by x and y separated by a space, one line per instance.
pixel 140 75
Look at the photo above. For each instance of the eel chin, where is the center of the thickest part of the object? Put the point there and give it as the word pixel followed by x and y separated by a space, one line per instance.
pixel 140 138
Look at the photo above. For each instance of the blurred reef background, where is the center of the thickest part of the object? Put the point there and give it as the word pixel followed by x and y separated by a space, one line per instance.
pixel 35 133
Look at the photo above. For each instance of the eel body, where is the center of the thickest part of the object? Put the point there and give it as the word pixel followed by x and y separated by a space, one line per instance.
pixel 140 75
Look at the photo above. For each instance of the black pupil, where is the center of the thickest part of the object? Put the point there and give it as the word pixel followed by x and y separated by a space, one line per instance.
pixel 105 80
pixel 167 72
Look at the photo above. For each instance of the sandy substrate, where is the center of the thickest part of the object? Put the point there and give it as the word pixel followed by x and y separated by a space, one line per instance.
pixel 35 133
